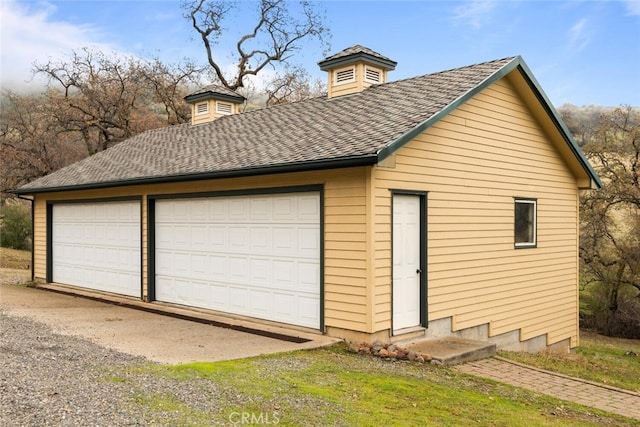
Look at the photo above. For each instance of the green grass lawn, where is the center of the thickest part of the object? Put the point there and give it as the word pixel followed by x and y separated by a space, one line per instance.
pixel 598 358
pixel 333 387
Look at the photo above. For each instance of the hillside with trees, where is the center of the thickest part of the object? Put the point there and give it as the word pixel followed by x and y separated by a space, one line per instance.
pixel 610 218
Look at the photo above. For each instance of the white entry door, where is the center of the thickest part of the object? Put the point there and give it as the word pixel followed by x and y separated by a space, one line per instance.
pixel 253 255
pixel 406 261
pixel 97 246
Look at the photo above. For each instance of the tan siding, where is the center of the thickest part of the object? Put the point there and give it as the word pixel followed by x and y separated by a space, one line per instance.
pixel 345 297
pixel 145 248
pixel 40 238
pixel 472 163
pixel 212 114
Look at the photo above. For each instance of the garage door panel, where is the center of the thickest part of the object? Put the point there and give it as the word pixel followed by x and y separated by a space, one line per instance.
pixel 97 246
pixel 307 307
pixel 254 252
pixel 260 303
pixel 238 270
pixel 238 298
pixel 308 277
pixel 284 273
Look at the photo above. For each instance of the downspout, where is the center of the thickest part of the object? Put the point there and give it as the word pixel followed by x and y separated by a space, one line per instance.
pixel 31 200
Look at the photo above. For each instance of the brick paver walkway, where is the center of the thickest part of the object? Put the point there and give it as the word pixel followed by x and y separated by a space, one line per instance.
pixel 611 399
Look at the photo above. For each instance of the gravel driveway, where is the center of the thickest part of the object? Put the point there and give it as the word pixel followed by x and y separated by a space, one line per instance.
pixel 53 379
pixel 47 379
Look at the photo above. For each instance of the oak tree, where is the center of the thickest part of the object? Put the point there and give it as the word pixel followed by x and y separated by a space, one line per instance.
pixel 279 29
pixel 610 226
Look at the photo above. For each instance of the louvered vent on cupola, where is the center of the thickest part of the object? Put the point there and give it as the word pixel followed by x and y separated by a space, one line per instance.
pixel 354 69
pixel 212 102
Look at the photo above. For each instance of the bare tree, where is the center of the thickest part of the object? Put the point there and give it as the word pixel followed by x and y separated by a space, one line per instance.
pixel 170 84
pixel 98 97
pixel 106 99
pixel 32 142
pixel 610 226
pixel 294 85
pixel 280 28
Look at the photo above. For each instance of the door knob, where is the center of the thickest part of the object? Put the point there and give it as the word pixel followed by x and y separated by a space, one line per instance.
pixel 419 271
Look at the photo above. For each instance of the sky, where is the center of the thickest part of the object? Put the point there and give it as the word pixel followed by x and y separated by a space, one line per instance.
pixel 582 52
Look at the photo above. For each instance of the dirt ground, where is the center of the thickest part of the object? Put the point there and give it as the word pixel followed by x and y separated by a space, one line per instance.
pixel 11 276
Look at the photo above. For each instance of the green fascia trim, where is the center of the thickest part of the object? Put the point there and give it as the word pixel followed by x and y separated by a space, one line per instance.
pixel 559 123
pixel 350 59
pixel 214 95
pixel 345 162
pixel 516 63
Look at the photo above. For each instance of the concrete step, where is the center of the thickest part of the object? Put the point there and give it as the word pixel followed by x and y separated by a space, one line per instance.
pixel 451 350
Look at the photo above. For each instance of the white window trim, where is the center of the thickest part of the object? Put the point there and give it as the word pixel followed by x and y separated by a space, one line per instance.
pixel 377 70
pixel 351 80
pixel 204 111
pixel 224 111
pixel 533 202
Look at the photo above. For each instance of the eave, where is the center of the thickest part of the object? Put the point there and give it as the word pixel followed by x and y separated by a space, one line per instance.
pixel 213 95
pixel 314 165
pixel 350 59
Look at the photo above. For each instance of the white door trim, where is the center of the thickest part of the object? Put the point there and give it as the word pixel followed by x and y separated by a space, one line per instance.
pixel 409 303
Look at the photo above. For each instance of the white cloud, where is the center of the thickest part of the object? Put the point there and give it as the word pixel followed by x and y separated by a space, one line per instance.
pixel 28 34
pixel 580 35
pixel 476 13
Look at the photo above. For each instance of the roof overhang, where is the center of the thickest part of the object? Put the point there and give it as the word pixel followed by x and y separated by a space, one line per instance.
pixel 213 95
pixel 521 76
pixel 345 162
pixel 350 59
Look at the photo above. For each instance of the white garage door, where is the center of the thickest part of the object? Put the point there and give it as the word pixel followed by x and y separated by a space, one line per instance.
pixel 255 255
pixel 97 246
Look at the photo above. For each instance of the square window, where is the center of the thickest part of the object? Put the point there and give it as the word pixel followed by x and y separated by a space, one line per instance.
pixel 525 220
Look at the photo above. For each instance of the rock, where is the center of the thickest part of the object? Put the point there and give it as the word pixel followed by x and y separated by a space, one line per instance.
pixel 402 353
pixel 436 362
pixel 393 354
pixel 364 348
pixel 383 352
pixel 353 347
pixel 411 355
pixel 392 347
pixel 427 357
pixel 419 359
pixel 377 347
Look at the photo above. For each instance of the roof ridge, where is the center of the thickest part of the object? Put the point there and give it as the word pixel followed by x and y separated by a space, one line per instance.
pixel 509 58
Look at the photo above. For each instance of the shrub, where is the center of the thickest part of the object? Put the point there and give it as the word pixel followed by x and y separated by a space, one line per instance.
pixel 595 314
pixel 15 226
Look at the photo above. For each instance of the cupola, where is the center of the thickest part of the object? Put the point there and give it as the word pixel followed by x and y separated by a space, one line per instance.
pixel 355 69
pixel 211 102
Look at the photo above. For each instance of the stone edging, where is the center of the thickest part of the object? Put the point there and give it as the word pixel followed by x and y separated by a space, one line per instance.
pixel 391 351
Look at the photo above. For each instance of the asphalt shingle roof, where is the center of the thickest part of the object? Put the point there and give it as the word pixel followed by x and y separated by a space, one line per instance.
pixel 356 50
pixel 300 134
pixel 215 90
